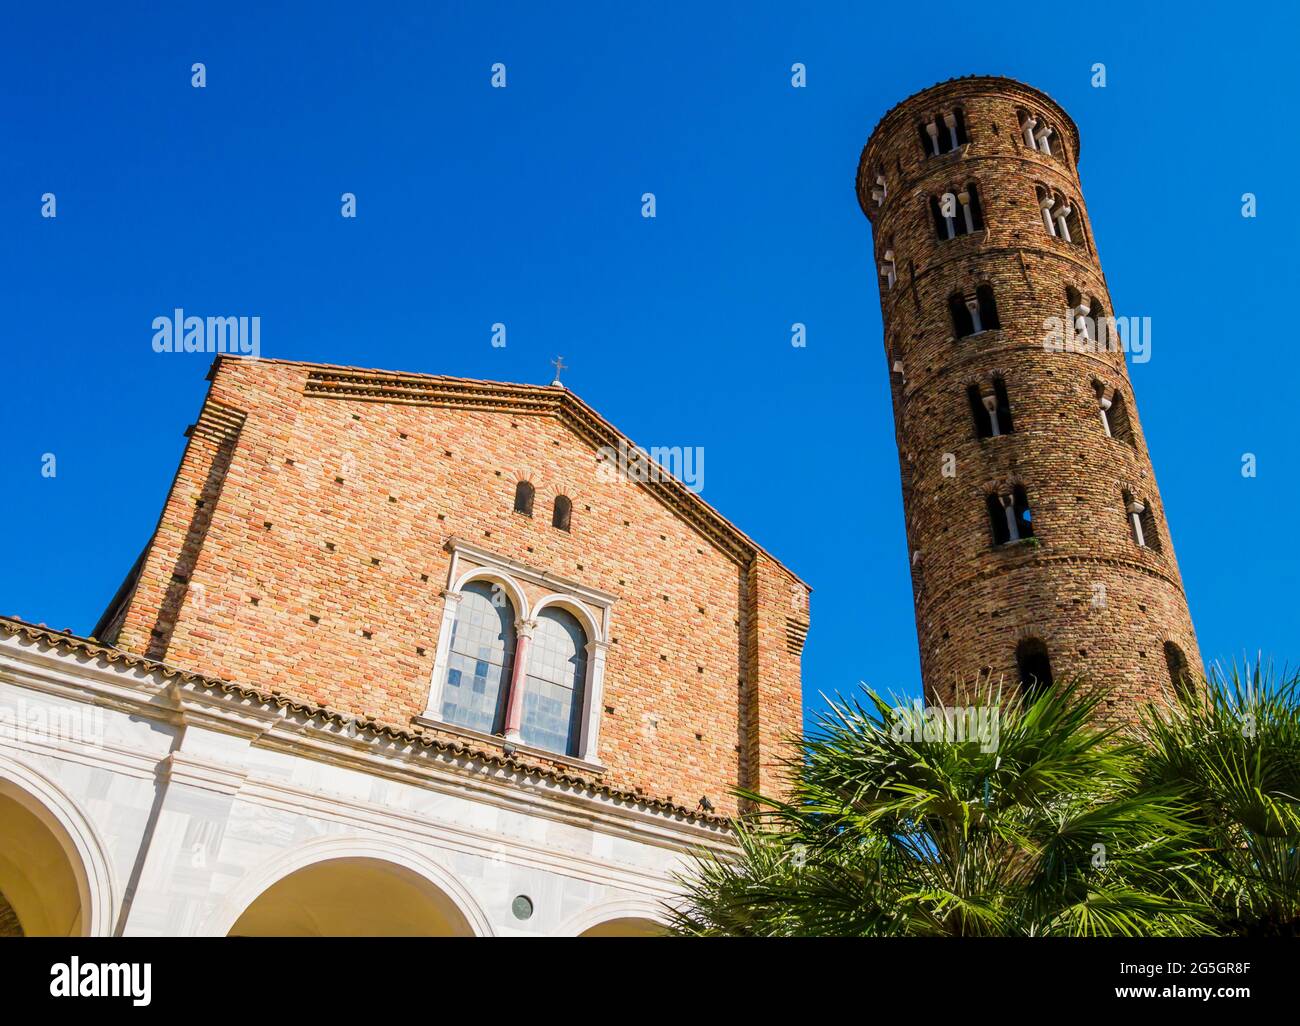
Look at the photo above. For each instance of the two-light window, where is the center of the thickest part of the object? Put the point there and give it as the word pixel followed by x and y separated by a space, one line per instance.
pixel 1060 215
pixel 943 133
pixel 990 408
pixel 957 212
pixel 1038 134
pixel 525 680
pixel 973 314
pixel 1010 518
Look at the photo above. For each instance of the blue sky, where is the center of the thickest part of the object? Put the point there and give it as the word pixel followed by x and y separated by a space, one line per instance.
pixel 522 205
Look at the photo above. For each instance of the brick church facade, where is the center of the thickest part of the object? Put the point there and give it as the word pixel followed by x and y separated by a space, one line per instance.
pixel 408 637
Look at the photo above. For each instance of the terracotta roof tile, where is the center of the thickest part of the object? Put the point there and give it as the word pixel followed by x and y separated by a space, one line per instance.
pixel 69 642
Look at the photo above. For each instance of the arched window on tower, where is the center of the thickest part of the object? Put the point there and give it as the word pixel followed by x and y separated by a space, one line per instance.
pixel 1046 201
pixel 555 679
pixel 1180 676
pixel 973 314
pixel 1094 329
pixel 524 493
pixel 957 212
pixel 1114 414
pixel 1034 668
pixel 562 512
pixel 990 409
pixel 1141 522
pixel 1036 133
pixel 1060 215
pixel 1010 517
pixel 481 659
pixel 943 133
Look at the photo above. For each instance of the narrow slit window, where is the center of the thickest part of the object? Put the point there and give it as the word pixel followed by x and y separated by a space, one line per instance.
pixel 524 493
pixel 562 512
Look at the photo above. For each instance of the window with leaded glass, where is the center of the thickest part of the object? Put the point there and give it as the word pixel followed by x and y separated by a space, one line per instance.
pixel 557 673
pixel 481 656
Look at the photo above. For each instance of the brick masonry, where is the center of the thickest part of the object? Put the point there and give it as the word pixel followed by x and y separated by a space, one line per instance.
pixel 331 493
pixel 1103 606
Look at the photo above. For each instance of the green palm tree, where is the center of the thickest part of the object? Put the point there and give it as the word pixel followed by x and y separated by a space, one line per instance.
pixel 1230 750
pixel 1040 829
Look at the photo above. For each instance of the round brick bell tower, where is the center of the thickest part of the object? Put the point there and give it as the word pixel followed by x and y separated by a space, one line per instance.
pixel 1037 537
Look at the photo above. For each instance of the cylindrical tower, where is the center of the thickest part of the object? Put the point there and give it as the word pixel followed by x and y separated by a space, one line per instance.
pixel 1037 536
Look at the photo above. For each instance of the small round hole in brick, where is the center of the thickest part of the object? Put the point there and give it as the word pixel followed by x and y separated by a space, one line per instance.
pixel 522 907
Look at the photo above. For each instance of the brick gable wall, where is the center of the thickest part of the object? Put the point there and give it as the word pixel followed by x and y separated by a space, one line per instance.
pixel 298 500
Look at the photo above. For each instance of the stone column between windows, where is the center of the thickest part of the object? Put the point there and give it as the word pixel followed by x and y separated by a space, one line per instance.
pixel 1009 508
pixel 1045 207
pixel 515 703
pixel 991 404
pixel 1135 510
pixel 1062 218
pixel 964 199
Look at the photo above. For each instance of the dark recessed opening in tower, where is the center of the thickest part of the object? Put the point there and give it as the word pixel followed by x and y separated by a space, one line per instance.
pixel 960 115
pixel 1003 407
pixel 997 519
pixel 976 209
pixel 983 422
pixel 963 323
pixel 1074 225
pixel 1179 672
pixel 988 308
pixel 927 144
pixel 1034 667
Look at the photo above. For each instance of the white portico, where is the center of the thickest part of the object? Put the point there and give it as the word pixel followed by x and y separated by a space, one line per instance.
pixel 136 799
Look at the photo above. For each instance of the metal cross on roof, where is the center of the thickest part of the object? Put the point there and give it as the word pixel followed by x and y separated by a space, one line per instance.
pixel 559 365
